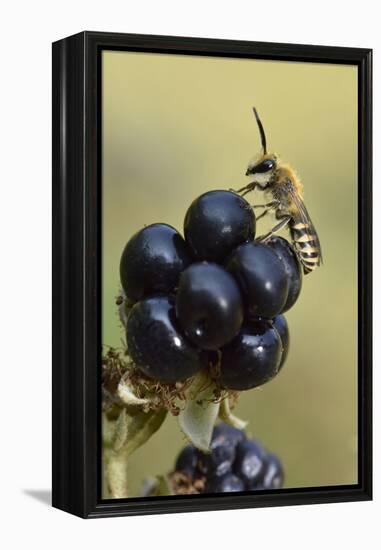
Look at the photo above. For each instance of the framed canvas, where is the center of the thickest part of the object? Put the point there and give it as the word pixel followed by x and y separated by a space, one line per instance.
pixel 211 274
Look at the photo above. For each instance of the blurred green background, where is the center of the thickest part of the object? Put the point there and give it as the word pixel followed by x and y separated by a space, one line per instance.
pixel 177 126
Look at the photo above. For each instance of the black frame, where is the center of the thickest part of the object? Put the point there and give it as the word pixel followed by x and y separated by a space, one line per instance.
pixel 76 271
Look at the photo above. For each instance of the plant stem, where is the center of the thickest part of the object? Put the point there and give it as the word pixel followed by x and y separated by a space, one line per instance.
pixel 116 474
pixel 130 432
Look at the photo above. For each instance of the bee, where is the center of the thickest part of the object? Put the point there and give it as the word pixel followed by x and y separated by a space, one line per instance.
pixel 280 182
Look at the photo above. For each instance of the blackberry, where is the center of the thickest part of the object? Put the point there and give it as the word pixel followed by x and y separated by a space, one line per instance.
pixel 209 305
pixel 262 278
pixel 252 358
pixel 216 223
pixel 281 326
pixel 155 343
pixel 181 310
pixel 287 255
pixel 152 261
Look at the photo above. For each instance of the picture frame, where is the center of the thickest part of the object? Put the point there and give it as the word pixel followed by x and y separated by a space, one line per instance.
pixel 77 198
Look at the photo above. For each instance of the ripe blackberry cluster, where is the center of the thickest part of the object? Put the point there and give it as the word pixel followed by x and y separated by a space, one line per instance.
pixel 215 296
pixel 235 463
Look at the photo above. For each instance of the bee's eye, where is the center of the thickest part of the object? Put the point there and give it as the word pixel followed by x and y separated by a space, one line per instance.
pixel 264 166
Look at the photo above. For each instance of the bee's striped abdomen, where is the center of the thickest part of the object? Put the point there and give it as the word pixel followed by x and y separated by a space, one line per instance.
pixel 306 244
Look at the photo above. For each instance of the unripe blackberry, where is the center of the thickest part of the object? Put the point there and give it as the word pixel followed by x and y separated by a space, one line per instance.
pixel 228 483
pixel 234 464
pixel 187 461
pixel 250 463
pixel 219 461
pixel 274 474
pixel 223 433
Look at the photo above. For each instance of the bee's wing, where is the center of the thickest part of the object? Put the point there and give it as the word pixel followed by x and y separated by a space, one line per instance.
pixel 305 218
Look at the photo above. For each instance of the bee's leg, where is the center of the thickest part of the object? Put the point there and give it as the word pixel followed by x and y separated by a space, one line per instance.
pixel 283 223
pixel 264 213
pixel 248 188
pixel 244 190
pixel 271 204
pixel 268 207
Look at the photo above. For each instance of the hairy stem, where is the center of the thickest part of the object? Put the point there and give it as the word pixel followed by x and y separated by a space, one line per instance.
pixel 130 432
pixel 227 416
pixel 116 475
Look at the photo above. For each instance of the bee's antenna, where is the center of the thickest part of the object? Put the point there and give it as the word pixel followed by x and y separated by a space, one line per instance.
pixel 261 130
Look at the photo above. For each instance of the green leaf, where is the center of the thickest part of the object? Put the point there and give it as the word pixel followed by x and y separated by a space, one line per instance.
pixel 141 427
pixel 200 412
pixel 227 416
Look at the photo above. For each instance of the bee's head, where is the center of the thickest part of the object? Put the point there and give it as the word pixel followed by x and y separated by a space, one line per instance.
pixel 262 167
